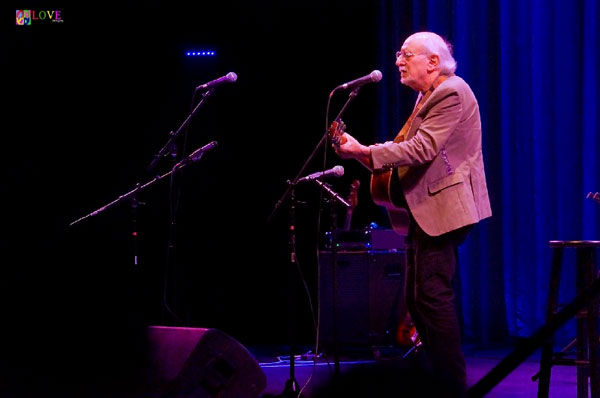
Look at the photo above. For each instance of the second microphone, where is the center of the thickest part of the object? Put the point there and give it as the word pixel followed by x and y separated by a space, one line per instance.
pixel 336 171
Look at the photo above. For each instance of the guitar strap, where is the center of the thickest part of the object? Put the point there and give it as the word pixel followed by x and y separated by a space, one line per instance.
pixel 420 101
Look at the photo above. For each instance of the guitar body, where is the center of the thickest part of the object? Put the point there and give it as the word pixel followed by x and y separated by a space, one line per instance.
pixel 383 184
pixel 406 334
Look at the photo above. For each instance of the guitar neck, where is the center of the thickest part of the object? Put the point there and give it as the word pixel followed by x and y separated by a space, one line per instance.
pixel 366 162
pixel 336 135
pixel 348 221
pixel 353 200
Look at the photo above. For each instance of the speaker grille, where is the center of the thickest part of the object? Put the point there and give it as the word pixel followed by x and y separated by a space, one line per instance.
pixel 201 363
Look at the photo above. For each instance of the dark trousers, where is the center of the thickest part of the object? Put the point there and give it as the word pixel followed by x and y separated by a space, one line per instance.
pixel 430 301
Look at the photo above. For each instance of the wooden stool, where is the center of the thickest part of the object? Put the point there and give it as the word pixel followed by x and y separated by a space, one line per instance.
pixel 587 343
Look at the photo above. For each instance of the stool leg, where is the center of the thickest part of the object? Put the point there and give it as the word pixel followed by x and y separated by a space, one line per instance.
pixel 592 319
pixel 582 335
pixel 548 344
pixel 593 353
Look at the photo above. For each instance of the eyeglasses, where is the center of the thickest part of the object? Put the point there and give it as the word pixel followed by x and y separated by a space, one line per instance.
pixel 406 54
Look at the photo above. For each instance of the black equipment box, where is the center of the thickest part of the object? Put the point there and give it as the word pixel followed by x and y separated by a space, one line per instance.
pixel 367 290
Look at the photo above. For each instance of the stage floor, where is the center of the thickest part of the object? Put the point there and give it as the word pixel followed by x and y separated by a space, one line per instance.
pixel 359 369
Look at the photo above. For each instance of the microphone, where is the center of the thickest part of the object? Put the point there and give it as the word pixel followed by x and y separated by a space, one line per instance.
pixel 336 171
pixel 228 78
pixel 196 155
pixel 372 77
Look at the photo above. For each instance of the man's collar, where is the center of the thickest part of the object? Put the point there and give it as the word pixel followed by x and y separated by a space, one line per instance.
pixel 438 80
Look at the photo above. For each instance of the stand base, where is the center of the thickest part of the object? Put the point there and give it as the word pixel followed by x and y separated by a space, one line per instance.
pixel 291 390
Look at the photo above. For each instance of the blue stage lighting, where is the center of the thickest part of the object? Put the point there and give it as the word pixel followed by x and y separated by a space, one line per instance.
pixel 200 53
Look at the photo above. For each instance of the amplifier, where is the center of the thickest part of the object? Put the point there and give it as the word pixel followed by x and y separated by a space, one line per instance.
pixel 369 299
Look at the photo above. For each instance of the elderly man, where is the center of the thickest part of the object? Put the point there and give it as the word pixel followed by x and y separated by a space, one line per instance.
pixel 433 168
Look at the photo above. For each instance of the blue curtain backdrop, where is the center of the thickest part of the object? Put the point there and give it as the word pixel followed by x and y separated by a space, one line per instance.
pixel 533 66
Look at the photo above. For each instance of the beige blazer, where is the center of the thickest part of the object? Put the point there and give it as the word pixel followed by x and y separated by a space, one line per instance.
pixel 445 187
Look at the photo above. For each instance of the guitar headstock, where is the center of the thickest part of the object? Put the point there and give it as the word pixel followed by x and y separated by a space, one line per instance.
pixel 336 133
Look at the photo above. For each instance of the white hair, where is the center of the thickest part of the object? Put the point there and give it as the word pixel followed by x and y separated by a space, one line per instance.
pixel 436 45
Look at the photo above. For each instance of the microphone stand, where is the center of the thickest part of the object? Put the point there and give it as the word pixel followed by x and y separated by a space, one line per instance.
pixel 170 147
pixel 351 96
pixel 323 139
pixel 291 385
pixel 339 199
pixel 194 157
pixel 333 194
pixel 291 388
pixel 134 233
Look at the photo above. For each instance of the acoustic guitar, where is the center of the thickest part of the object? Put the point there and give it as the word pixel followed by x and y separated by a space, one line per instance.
pixel 383 183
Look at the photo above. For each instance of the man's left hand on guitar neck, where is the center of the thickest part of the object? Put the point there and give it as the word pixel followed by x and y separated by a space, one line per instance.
pixel 352 149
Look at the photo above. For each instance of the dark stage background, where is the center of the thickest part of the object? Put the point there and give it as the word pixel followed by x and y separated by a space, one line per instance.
pixel 90 101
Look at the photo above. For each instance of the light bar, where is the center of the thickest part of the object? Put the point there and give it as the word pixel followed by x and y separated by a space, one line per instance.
pixel 200 53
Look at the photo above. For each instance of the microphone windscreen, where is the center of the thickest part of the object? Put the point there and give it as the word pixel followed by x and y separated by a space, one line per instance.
pixel 231 77
pixel 338 171
pixel 376 76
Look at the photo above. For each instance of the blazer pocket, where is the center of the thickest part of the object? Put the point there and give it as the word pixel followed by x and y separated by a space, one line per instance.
pixel 445 182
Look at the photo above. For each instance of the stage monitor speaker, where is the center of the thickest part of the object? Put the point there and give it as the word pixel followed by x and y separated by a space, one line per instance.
pixel 370 296
pixel 201 363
